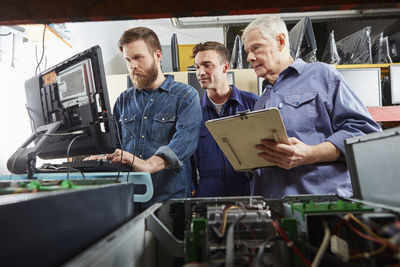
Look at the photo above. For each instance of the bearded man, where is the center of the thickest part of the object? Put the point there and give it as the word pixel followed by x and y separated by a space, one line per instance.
pixel 158 119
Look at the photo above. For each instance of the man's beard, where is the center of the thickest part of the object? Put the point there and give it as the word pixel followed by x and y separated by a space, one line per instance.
pixel 144 81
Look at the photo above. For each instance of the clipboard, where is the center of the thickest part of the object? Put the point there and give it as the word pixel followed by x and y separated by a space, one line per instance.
pixel 237 136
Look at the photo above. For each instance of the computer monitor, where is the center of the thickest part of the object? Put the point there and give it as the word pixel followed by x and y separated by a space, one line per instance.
pixel 395 83
pixel 64 102
pixel 174 53
pixel 356 48
pixel 302 41
pixel 365 83
pixel 372 160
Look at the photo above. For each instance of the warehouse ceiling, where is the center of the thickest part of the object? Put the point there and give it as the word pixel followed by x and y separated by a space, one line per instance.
pixel 46 11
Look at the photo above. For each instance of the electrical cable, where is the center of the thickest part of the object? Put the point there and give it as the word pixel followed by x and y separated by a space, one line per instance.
pixel 290 243
pixel 36 57
pixel 366 227
pixel 225 212
pixel 324 245
pixel 230 242
pixel 331 260
pixel 122 149
pixel 120 142
pixel 31 118
pixel 251 232
pixel 68 150
pixel 379 240
pixel 257 261
pixel 368 254
pixel 44 33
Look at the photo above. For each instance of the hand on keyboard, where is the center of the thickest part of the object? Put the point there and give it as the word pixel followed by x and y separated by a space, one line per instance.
pixel 96 157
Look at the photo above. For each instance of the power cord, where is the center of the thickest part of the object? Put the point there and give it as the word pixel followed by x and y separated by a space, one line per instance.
pixel 122 149
pixel 230 242
pixel 68 151
pixel 38 65
pixel 120 142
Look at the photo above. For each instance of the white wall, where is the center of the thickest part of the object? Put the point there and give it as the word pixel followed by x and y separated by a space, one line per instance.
pixel 107 33
pixel 14 120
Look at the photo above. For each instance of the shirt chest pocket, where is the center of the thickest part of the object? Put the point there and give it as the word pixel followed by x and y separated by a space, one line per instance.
pixel 163 127
pixel 127 122
pixel 300 111
pixel 298 100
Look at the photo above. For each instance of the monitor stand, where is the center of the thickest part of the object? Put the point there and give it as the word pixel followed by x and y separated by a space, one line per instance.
pixel 24 159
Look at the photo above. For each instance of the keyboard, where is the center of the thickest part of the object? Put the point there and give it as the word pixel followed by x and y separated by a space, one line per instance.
pixel 100 165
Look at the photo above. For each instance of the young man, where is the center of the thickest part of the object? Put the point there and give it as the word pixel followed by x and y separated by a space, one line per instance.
pixel 319 111
pixel 217 177
pixel 158 119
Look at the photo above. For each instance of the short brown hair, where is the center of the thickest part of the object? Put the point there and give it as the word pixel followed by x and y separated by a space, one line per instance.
pixel 140 33
pixel 218 47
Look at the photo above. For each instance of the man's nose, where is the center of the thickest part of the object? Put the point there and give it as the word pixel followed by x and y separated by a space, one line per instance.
pixel 132 65
pixel 200 71
pixel 250 57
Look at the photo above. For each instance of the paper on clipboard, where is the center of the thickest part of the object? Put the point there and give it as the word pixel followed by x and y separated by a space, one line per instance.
pixel 237 136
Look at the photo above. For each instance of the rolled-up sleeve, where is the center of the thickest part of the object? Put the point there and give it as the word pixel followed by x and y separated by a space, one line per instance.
pixel 184 141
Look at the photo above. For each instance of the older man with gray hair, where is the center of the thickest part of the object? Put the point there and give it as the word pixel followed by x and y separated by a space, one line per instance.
pixel 319 111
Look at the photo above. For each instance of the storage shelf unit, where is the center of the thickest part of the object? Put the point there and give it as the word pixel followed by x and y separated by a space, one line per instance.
pixel 388 116
pixel 384 67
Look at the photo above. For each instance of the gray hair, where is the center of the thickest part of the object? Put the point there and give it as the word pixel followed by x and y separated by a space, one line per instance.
pixel 270 27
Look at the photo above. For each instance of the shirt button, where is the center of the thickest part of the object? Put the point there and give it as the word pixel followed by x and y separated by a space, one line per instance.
pixel 162 119
pixel 151 99
pixel 280 105
pixel 140 156
pixel 142 136
pixel 145 118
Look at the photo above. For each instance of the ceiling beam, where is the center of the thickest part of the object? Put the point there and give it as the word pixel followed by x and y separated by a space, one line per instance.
pixel 55 11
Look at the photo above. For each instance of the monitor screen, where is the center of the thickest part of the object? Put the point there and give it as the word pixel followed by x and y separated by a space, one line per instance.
pixel 73 93
pixel 395 83
pixel 365 83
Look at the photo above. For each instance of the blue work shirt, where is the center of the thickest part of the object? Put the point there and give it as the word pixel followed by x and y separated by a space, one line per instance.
pixel 164 122
pixel 316 106
pixel 217 176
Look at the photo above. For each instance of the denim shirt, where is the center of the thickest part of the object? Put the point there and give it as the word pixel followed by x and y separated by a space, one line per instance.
pixel 217 176
pixel 164 122
pixel 316 106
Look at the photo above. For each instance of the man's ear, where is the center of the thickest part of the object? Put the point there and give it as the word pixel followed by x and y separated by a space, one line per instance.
pixel 282 40
pixel 158 55
pixel 226 66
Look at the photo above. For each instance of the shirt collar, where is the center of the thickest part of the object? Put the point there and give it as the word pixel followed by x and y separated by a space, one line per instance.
pixel 167 84
pixel 297 65
pixel 234 96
